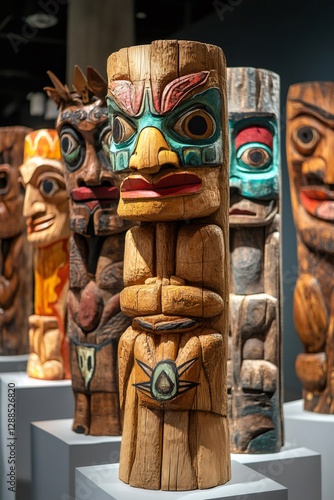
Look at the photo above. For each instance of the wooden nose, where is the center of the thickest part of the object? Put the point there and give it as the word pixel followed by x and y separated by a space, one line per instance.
pixel 152 152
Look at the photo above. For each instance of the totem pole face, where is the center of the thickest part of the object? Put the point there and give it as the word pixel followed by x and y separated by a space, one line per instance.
pixel 309 143
pixel 166 132
pixel 45 201
pixel 254 158
pixel 11 194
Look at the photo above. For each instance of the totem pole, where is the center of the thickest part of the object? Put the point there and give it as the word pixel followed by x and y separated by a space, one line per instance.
pixel 254 366
pixel 310 119
pixel 16 275
pixel 95 321
pixel 167 108
pixel 46 212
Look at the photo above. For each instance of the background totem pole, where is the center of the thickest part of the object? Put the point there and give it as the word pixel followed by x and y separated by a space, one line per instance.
pixel 16 275
pixel 95 321
pixel 46 212
pixel 255 401
pixel 310 146
pixel 167 106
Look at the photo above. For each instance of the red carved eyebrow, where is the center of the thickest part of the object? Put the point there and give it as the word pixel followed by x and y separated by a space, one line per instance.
pixel 254 134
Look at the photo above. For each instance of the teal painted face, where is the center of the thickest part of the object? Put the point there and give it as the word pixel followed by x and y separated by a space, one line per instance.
pixel 254 157
pixel 193 130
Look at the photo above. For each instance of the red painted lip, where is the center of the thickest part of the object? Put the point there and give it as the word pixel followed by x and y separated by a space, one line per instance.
pixel 318 201
pixel 98 193
pixel 179 184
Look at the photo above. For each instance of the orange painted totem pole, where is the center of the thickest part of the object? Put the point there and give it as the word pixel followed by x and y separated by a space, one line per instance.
pixel 47 219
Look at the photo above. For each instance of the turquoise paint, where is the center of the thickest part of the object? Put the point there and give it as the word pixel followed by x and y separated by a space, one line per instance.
pixel 254 182
pixel 191 152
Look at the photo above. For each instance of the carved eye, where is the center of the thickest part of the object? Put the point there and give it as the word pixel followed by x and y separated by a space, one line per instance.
pixel 306 139
pixel 71 148
pixel 122 130
pixel 48 187
pixel 196 124
pixel 105 140
pixel 3 182
pixel 256 157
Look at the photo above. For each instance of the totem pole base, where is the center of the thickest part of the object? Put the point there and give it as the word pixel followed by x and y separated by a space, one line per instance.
pixel 315 431
pixel 103 482
pixel 22 401
pixel 298 469
pixel 57 451
pixel 13 363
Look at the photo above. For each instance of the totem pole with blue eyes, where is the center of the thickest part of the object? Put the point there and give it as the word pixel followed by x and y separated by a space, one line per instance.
pixel 254 366
pixel 95 321
pixel 167 109
pixel 46 212
pixel 16 274
pixel 309 147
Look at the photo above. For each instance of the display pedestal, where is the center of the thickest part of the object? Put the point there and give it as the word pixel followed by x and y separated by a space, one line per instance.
pixel 22 401
pixel 102 483
pixel 13 363
pixel 57 451
pixel 298 469
pixel 315 431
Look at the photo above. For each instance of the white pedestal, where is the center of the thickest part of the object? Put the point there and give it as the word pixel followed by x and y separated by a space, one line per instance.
pixel 315 431
pixel 33 400
pixel 102 483
pixel 57 451
pixel 298 469
pixel 13 363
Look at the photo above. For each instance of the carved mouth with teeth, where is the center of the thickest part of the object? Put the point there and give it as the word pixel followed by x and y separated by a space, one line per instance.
pixel 95 195
pixel 318 201
pixel 172 184
pixel 39 223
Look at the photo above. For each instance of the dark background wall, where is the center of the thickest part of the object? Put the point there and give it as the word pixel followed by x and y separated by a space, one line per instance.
pixel 296 40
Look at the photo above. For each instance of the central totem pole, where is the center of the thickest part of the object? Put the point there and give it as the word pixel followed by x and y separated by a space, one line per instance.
pixel 95 321
pixel 255 400
pixel 167 108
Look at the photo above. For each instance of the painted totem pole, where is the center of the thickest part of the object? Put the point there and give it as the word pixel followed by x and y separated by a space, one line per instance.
pixel 46 212
pixel 16 275
pixel 95 321
pixel 310 145
pixel 167 108
pixel 255 400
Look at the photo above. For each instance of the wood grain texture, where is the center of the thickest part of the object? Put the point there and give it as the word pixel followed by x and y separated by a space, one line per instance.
pixel 95 320
pixel 46 213
pixel 16 274
pixel 255 344
pixel 172 360
pixel 309 144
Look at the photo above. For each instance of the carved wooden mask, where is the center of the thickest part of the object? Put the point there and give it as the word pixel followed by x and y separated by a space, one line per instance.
pixel 165 108
pixel 254 145
pixel 309 145
pixel 45 201
pixel 11 195
pixel 85 135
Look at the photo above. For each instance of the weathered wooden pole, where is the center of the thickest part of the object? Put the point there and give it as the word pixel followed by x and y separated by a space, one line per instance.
pixel 255 370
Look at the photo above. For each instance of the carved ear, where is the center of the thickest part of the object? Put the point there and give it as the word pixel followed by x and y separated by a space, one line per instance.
pixel 96 83
pixel 59 93
pixel 80 85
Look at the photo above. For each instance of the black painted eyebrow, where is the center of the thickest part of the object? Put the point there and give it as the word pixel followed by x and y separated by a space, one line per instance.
pixel 322 112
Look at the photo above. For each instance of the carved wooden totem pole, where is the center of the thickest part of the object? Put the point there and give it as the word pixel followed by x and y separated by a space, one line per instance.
pixel 46 212
pixel 310 146
pixel 254 366
pixel 95 321
pixel 167 106
pixel 16 283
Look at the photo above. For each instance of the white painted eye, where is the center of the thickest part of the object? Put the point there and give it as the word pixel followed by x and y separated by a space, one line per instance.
pixel 196 124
